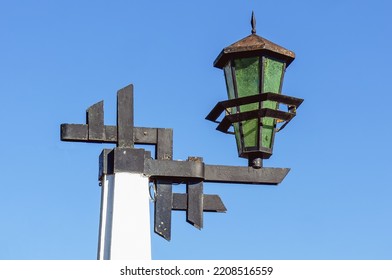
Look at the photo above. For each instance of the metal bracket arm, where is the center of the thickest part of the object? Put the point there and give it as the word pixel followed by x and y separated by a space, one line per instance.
pixel 162 169
pixel 79 133
pixel 171 171
pixel 193 172
pixel 185 171
pixel 280 98
pixel 228 120
pixel 244 175
pixel 231 118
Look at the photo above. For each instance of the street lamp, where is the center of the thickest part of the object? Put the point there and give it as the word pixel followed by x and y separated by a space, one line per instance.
pixel 254 68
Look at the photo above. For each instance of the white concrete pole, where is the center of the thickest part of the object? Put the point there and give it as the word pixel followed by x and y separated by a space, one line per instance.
pixel 125 218
pixel 102 222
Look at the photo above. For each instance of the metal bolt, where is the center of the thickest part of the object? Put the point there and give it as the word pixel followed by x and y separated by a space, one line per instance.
pixel 256 163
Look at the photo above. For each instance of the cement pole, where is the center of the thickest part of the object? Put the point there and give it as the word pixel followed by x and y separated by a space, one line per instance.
pixel 125 232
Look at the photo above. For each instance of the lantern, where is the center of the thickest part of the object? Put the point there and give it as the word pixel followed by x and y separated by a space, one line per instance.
pixel 254 69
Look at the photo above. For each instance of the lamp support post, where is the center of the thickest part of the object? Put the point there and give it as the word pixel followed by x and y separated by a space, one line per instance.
pixel 125 173
pixel 125 209
pixel 125 213
pixel 253 70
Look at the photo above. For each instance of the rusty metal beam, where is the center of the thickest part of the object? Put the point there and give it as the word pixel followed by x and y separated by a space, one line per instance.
pixel 221 106
pixel 228 120
pixel 211 202
pixel 194 213
pixel 80 133
pixel 125 117
pixel 244 175
pixel 164 190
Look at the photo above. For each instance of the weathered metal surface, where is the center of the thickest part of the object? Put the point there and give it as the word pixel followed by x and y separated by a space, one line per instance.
pixel 164 147
pixel 188 171
pixel 144 135
pixel 221 106
pixel 233 116
pixel 255 162
pixel 96 132
pixel 194 190
pixel 175 171
pixel 110 135
pixel 104 164
pixel 164 194
pixel 116 160
pixel 163 209
pixel 228 120
pixel 253 45
pixel 194 213
pixel 128 160
pixel 211 202
pixel 244 175
pixel 253 23
pixel 125 117
pixel 74 132
pixel 94 117
pixel 79 133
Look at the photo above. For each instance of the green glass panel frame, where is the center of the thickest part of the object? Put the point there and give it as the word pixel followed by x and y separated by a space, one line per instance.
pixel 247 74
pixel 231 95
pixel 273 71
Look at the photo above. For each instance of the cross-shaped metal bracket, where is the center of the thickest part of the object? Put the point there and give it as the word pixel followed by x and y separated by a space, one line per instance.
pixel 162 169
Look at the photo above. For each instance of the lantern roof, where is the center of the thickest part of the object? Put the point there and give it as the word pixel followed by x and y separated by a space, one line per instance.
pixel 253 45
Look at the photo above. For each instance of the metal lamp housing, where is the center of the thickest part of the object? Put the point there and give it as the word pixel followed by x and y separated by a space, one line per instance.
pixel 254 66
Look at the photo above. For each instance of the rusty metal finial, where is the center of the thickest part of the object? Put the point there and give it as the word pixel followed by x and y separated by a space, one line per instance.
pixel 253 23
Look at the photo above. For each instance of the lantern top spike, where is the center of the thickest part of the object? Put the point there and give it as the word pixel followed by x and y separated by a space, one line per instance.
pixel 253 23
pixel 252 46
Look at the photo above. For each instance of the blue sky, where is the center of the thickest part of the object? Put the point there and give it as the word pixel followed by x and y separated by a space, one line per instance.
pixel 59 57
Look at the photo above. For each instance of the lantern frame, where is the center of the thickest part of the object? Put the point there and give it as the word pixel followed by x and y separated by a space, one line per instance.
pixel 262 105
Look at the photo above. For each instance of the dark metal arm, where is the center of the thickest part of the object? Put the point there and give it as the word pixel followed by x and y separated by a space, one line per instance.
pixel 185 171
pixel 162 169
pixel 280 98
pixel 231 118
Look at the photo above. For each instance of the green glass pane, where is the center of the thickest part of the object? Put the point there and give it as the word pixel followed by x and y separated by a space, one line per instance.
pixel 247 73
pixel 231 95
pixel 229 81
pixel 273 74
